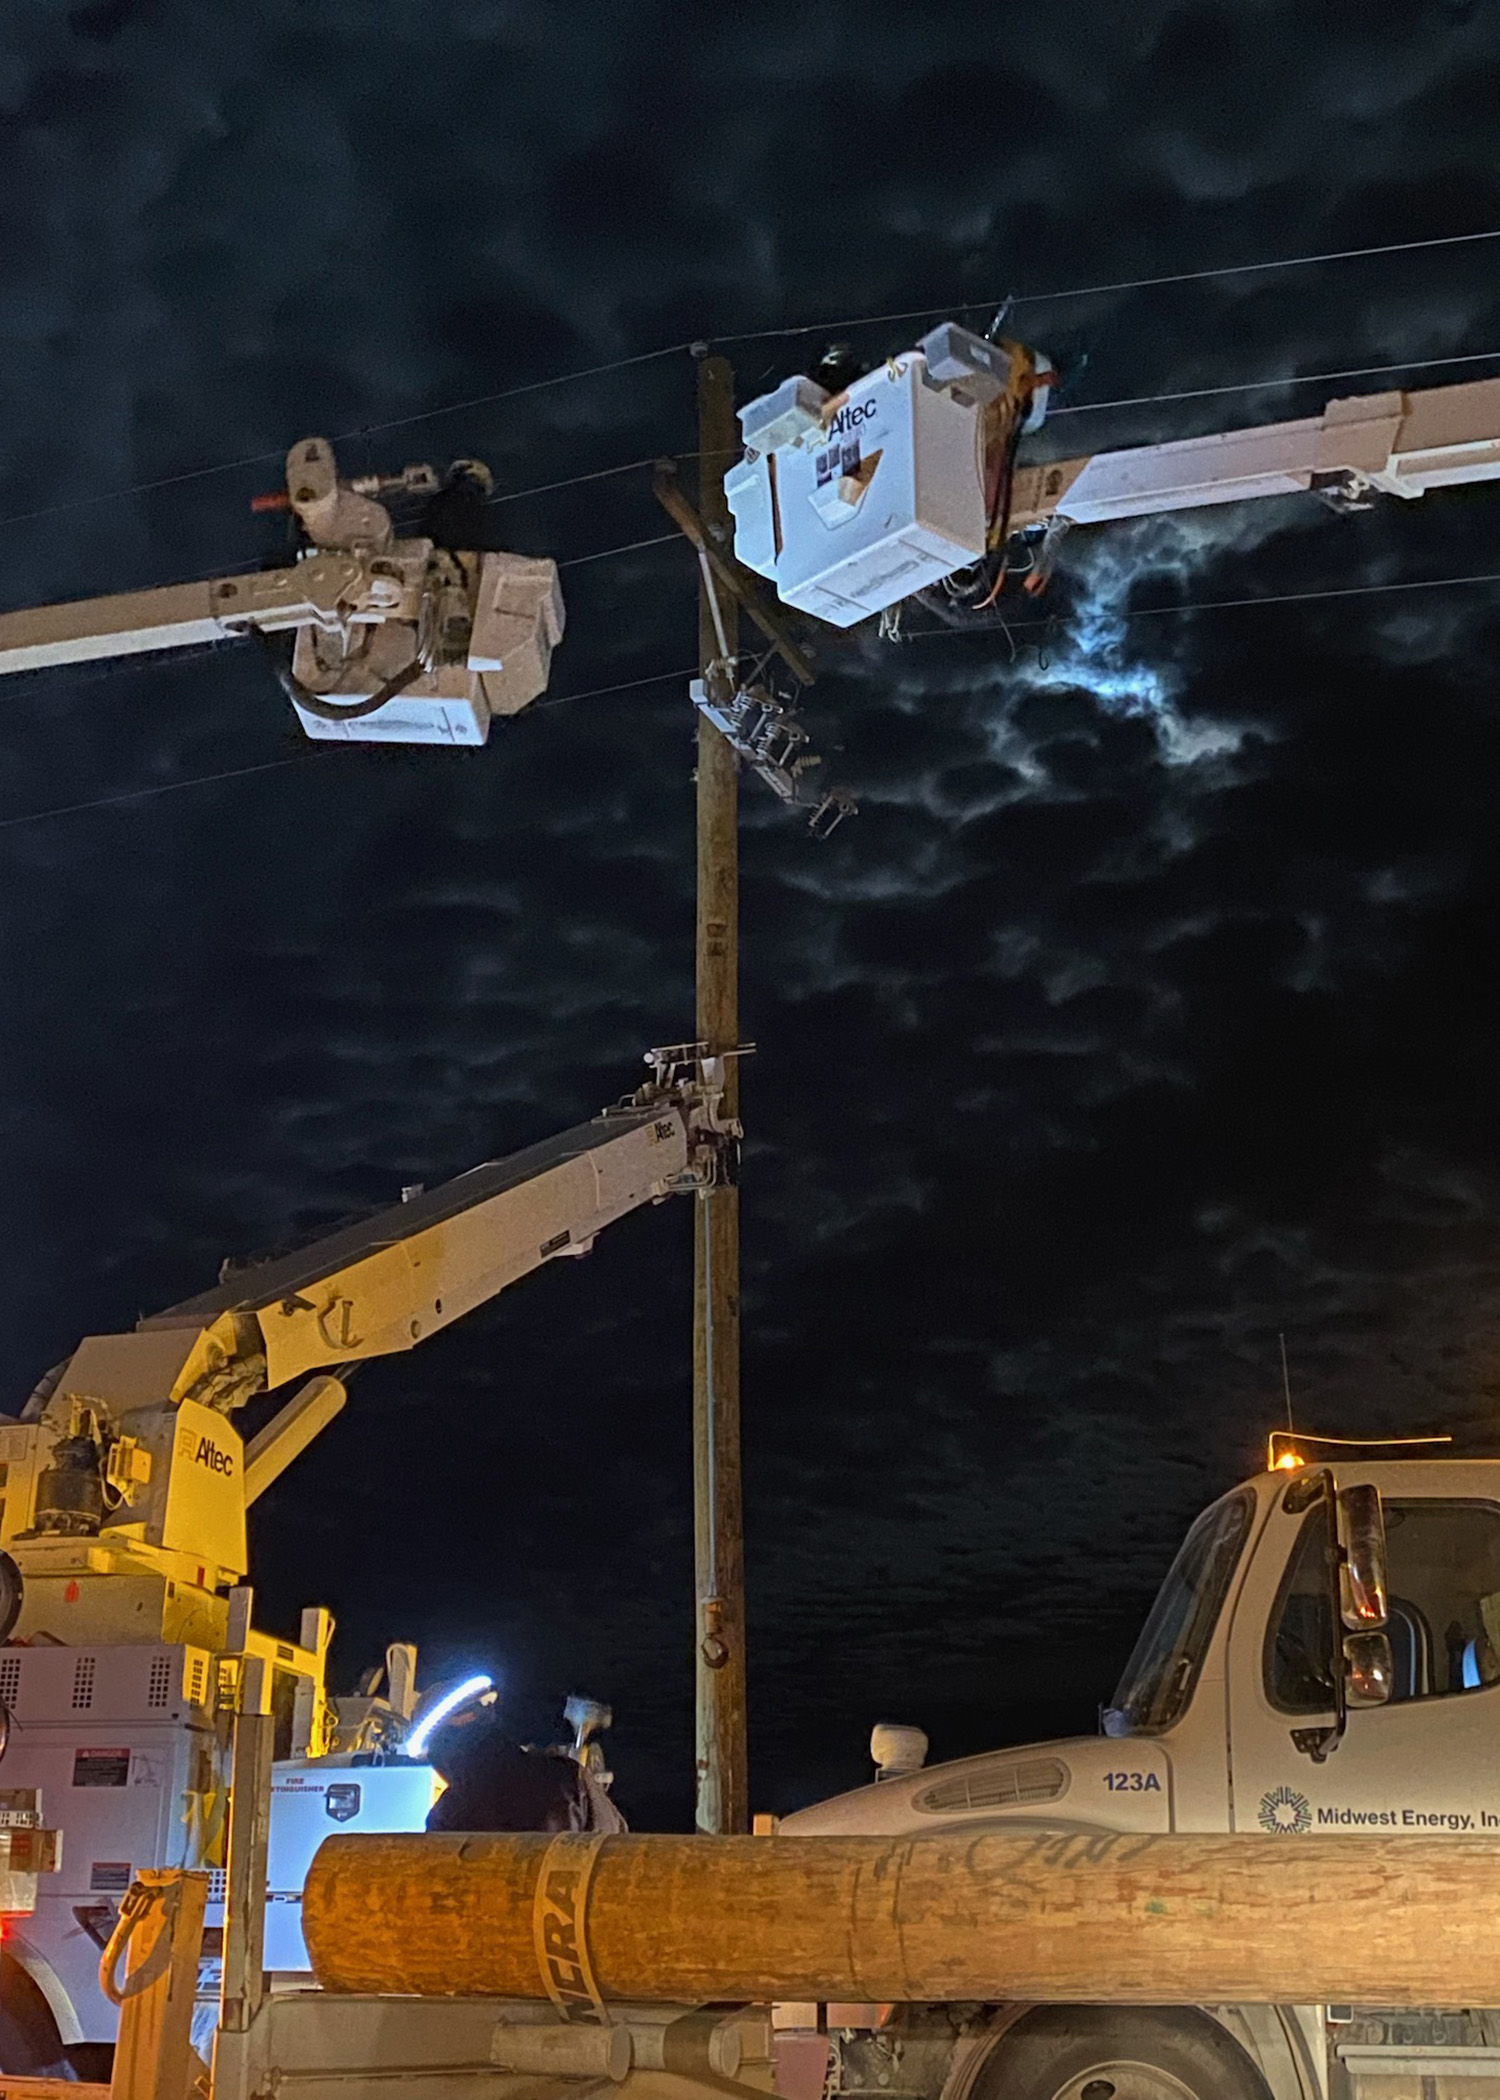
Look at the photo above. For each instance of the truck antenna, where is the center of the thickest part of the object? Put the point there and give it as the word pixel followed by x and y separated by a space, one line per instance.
pixel 1286 1386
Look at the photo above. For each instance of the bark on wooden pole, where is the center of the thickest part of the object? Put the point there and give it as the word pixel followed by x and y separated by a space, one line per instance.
pixel 1066 1918
pixel 722 1781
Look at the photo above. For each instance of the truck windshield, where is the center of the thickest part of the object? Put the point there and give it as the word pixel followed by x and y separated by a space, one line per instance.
pixel 1164 1666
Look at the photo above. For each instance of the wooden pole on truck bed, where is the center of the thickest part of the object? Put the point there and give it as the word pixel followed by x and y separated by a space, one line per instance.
pixel 243 1983
pixel 971 1915
pixel 718 1515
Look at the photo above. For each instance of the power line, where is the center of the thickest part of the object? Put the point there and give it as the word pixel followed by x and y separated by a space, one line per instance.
pixel 301 758
pixel 1256 386
pixel 573 481
pixel 1351 590
pixel 165 787
pixel 1284 262
pixel 631 547
pixel 1077 408
pixel 1090 291
pixel 644 357
pixel 629 685
pixel 1054 623
pixel 343 437
pixel 139 488
pixel 1244 386
pixel 514 393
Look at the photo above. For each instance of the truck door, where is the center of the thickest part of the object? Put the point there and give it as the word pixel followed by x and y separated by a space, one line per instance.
pixel 1426 1762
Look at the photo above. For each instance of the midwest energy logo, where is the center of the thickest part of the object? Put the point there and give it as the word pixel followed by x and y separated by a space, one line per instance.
pixel 1285 1813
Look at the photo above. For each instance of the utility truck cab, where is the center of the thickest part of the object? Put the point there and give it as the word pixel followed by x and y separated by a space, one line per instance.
pixel 1324 1656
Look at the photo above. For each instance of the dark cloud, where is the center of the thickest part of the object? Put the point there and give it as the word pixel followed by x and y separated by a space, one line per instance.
pixel 1143 1014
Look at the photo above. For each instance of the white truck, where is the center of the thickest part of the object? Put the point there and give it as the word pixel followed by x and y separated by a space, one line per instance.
pixel 124 1485
pixel 1307 1667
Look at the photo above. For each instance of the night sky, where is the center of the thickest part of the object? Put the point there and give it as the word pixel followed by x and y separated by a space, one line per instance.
pixel 1147 1009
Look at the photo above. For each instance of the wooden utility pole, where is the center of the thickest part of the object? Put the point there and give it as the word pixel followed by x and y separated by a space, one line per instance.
pixel 969 1915
pixel 718 1512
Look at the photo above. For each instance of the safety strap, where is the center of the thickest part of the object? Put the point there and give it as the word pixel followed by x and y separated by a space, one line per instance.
pixel 139 1899
pixel 559 1917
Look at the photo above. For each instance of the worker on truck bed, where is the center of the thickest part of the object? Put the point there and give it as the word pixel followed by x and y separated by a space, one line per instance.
pixel 494 1783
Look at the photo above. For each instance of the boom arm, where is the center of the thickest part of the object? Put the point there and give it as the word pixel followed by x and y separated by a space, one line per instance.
pixel 126 1443
pixel 392 1280
pixel 1399 444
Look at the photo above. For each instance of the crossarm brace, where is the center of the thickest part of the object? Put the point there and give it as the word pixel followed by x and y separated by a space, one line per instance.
pixel 729 573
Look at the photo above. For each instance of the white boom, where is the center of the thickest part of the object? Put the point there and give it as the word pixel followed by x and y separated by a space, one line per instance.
pixel 123 1460
pixel 914 474
pixel 1394 444
pixel 397 640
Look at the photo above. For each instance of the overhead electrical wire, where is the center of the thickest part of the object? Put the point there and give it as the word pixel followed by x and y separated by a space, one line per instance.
pixel 574 481
pixel 632 466
pixel 1260 386
pixel 1052 623
pixel 164 787
pixel 1092 291
pixel 1350 590
pixel 1198 393
pixel 784 333
pixel 514 393
pixel 659 539
pixel 1284 262
pixel 138 488
pixel 629 685
pixel 302 758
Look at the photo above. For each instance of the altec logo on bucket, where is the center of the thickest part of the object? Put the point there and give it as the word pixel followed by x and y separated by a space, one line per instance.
pixel 849 417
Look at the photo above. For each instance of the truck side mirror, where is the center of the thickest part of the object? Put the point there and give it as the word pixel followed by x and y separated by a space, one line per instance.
pixel 1368 1670
pixel 1362 1579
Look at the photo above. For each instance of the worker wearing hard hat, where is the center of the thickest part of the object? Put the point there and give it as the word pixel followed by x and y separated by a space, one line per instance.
pixel 495 1783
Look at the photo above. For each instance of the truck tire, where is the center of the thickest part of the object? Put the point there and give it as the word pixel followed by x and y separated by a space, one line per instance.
pixel 1126 2052
pixel 30 2046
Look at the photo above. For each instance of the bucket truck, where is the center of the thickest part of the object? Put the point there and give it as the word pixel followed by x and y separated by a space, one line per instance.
pixel 913 480
pixel 410 639
pixel 122 1543
pixel 1323 1659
